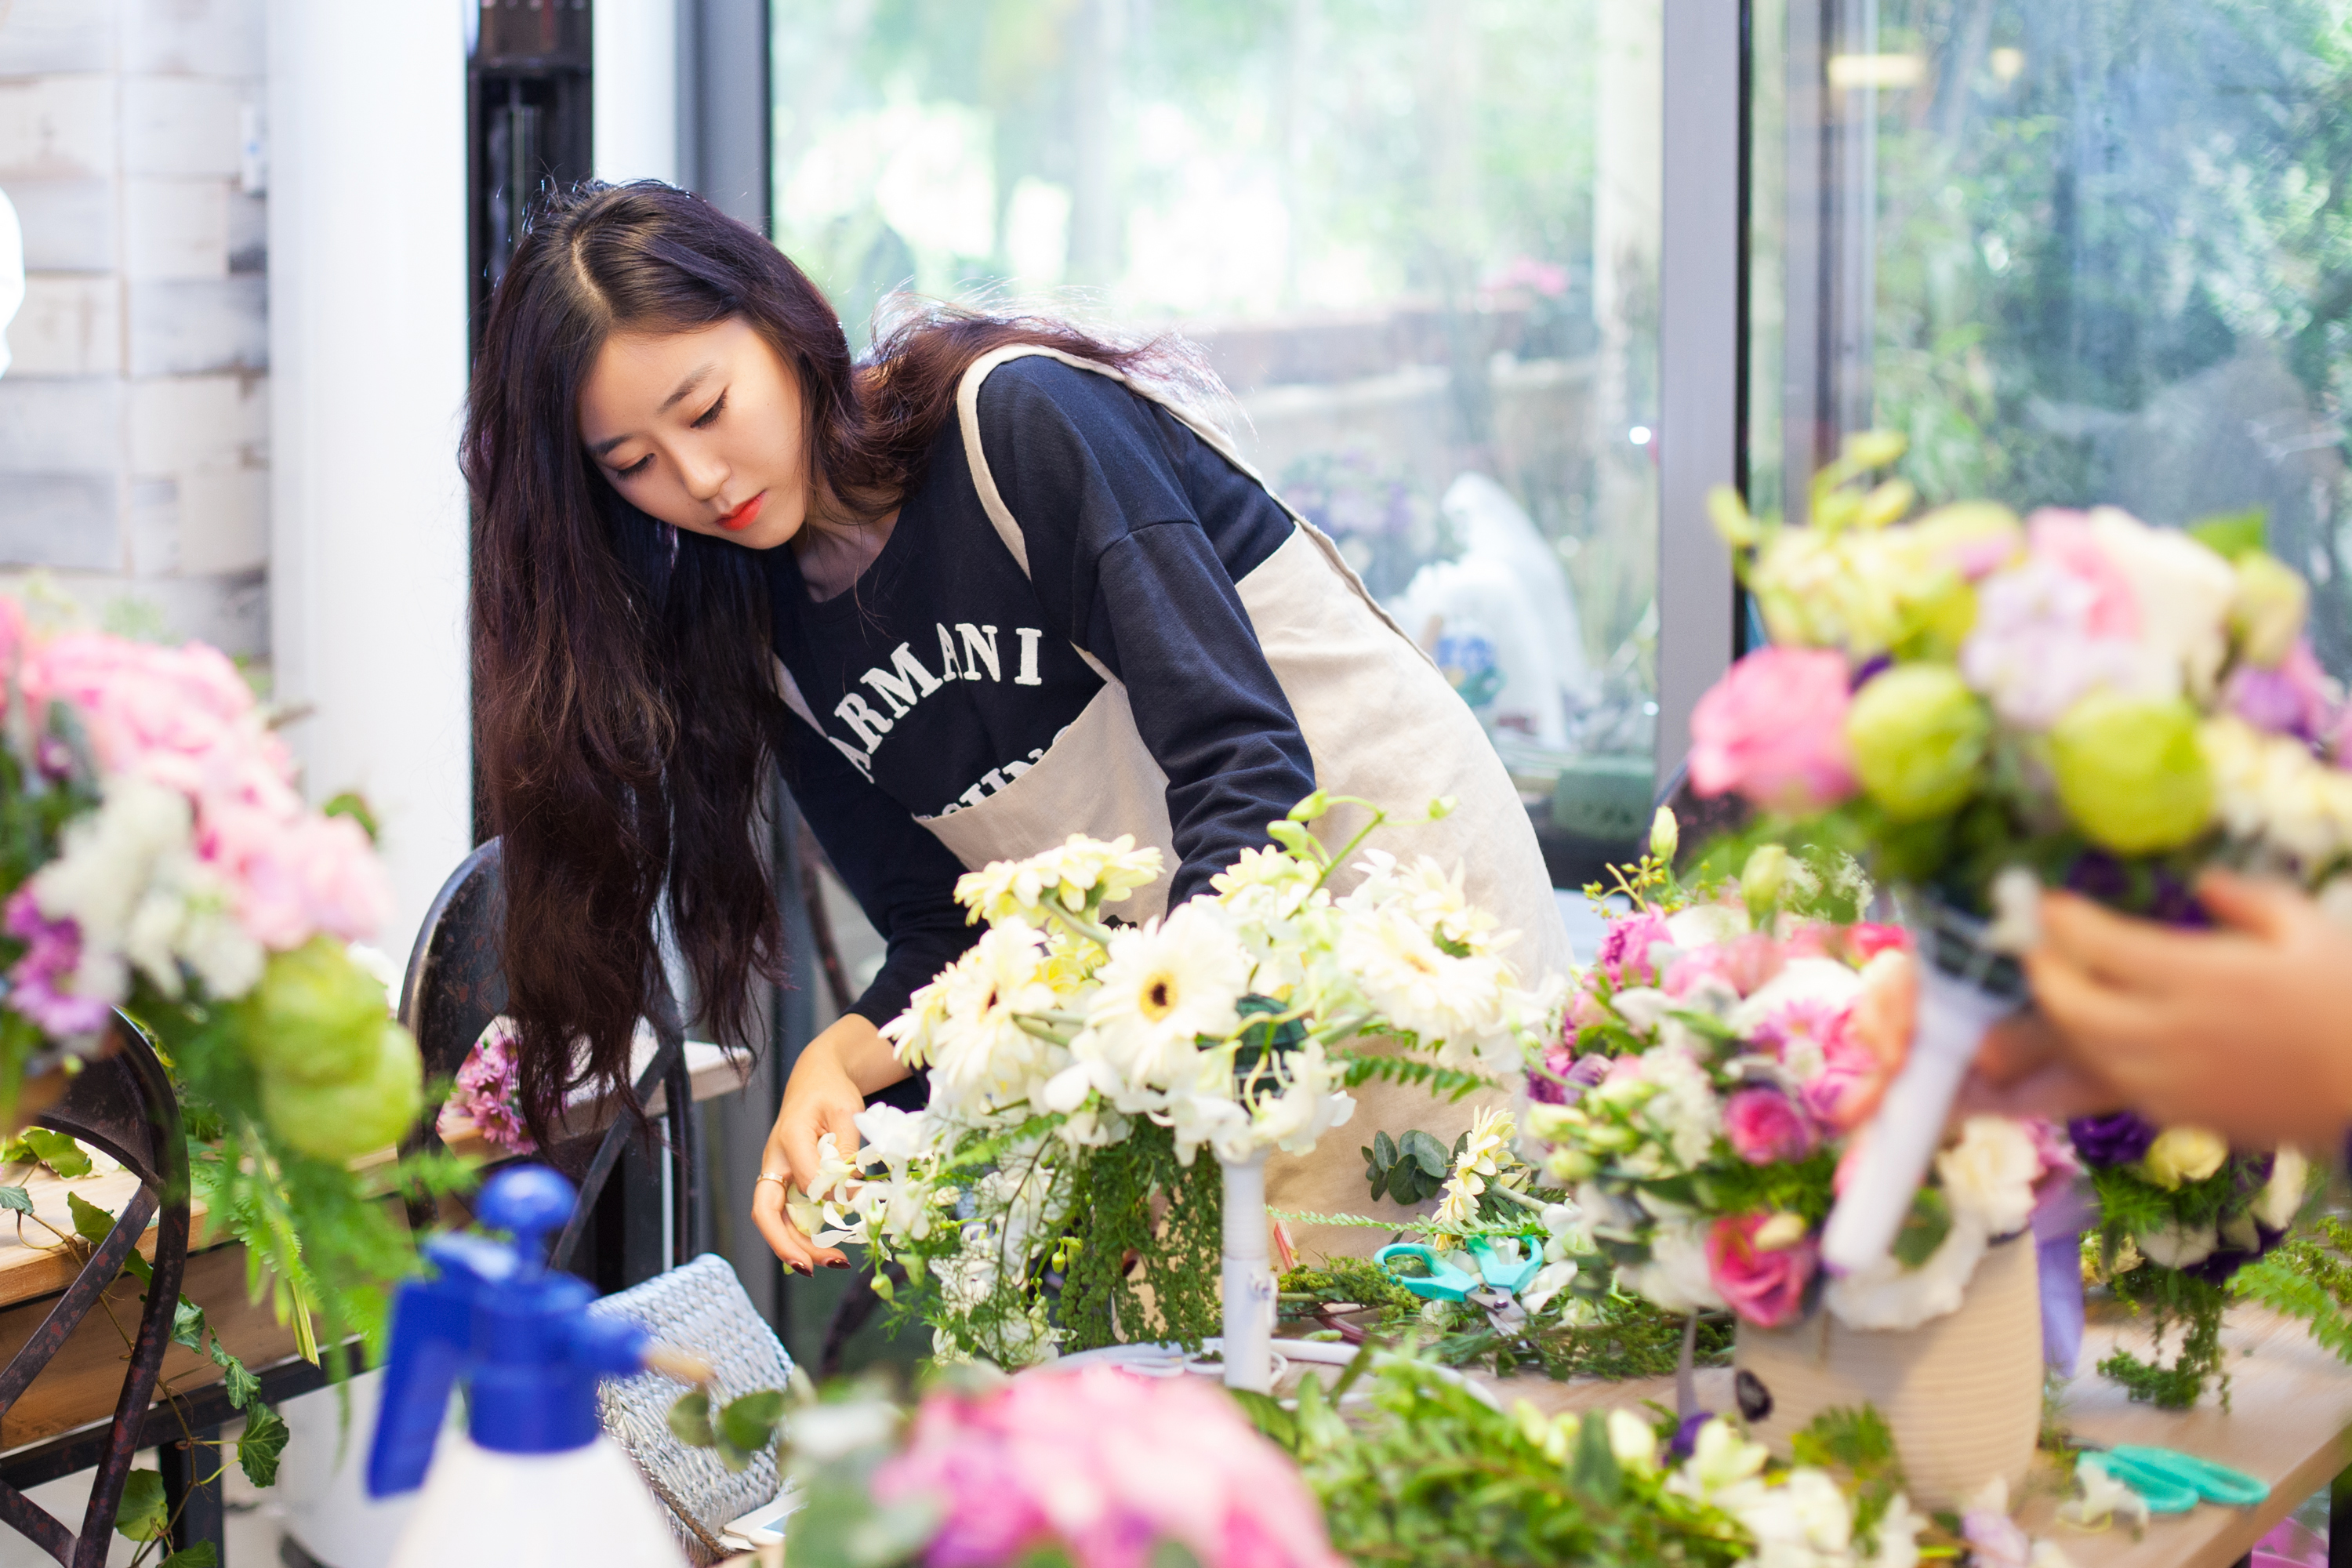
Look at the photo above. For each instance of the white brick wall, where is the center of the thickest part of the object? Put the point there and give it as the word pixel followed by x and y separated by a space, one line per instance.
pixel 134 421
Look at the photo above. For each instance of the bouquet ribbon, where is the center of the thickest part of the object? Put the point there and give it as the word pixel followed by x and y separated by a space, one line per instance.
pixel 1954 1015
pixel 2058 1221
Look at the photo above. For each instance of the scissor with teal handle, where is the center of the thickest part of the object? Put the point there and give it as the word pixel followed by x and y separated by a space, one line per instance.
pixel 1495 1287
pixel 2175 1482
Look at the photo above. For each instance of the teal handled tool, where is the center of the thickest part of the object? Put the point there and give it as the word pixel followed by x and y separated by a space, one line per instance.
pixel 2175 1482
pixel 1494 1289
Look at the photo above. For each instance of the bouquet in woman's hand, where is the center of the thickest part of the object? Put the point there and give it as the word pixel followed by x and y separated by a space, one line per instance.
pixel 1716 1066
pixel 1979 706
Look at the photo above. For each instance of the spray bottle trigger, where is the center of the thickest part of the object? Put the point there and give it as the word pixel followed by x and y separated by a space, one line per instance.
pixel 432 1324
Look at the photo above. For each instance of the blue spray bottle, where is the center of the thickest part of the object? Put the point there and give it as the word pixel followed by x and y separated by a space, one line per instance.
pixel 533 1480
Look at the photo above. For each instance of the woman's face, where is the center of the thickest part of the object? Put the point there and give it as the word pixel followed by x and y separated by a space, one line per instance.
pixel 703 430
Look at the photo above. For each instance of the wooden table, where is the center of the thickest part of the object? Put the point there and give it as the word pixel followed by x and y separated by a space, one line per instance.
pixel 2289 1421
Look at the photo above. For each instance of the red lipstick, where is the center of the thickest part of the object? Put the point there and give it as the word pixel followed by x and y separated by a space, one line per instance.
pixel 743 516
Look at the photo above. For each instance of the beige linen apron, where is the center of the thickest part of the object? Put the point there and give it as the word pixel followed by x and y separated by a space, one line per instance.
pixel 1380 723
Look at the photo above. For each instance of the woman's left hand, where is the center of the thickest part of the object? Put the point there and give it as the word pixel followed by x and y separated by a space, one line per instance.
pixel 2246 1030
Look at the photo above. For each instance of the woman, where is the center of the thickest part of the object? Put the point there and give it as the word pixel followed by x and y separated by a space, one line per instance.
pixel 986 590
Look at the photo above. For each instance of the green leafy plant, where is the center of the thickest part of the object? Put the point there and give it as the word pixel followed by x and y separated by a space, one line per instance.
pixel 1407 1169
pixel 740 1431
pixel 2310 1277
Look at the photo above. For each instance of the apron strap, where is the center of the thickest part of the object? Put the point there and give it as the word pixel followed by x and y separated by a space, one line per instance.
pixel 1008 528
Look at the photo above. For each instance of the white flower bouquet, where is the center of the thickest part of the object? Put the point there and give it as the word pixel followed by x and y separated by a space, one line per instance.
pixel 1077 1068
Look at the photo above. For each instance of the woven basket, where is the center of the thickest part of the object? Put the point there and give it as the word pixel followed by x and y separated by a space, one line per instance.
pixel 699 1308
pixel 1963 1392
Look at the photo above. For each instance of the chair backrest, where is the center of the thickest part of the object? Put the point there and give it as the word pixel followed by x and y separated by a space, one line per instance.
pixel 123 1103
pixel 457 981
pixel 701 1308
pixel 457 984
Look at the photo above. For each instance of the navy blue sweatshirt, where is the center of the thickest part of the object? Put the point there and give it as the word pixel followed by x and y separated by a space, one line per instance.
pixel 943 672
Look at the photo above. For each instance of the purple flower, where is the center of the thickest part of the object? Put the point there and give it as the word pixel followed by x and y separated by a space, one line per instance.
pixel 2115 1140
pixel 1686 1437
pixel 1624 955
pixel 490 1089
pixel 52 959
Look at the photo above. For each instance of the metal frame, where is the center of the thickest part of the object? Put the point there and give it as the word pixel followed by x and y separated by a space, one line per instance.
pixel 123 1105
pixel 723 136
pixel 1702 348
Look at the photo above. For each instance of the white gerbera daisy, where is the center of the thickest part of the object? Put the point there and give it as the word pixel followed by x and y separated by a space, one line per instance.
pixel 1481 1160
pixel 1164 985
pixel 1417 985
pixel 980 1057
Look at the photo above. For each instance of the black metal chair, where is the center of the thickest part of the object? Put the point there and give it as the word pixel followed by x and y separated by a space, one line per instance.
pixel 455 985
pixel 123 1105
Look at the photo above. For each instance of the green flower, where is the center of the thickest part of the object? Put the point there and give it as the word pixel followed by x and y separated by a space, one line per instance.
pixel 372 1111
pixel 315 1017
pixel 2130 771
pixel 1918 736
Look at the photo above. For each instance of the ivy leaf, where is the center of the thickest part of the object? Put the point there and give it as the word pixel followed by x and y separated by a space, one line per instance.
pixel 201 1556
pixel 263 1441
pixel 188 1325
pixel 17 1199
pixel 749 1424
pixel 689 1420
pixel 58 1151
pixel 241 1384
pixel 142 1516
pixel 90 1222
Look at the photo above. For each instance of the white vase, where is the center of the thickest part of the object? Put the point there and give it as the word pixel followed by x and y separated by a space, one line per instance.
pixel 1962 1392
pixel 1249 1288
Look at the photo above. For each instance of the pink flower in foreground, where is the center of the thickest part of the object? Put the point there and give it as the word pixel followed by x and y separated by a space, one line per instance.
pixel 1789 1030
pixel 52 955
pixel 2293 700
pixel 1866 939
pixel 1106 1465
pixel 1767 1286
pixel 1624 955
pixel 295 876
pixel 162 709
pixel 1765 1128
pixel 1773 728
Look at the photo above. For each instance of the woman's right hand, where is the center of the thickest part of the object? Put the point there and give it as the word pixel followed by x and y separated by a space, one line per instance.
pixel 830 1082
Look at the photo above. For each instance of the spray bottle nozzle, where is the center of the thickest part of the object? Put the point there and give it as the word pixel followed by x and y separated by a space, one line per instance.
pixel 493 1314
pixel 527 1202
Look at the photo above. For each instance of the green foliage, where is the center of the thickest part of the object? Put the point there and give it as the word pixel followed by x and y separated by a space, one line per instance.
pixel 201 1556
pixel 1437 1479
pixel 2172 1299
pixel 2310 1277
pixel 1407 1169
pixel 260 1445
pixel 1128 1276
pixel 142 1516
pixel 17 1200
pixel 740 1433
pixel 1859 1444
pixel 66 1158
pixel 1452 1083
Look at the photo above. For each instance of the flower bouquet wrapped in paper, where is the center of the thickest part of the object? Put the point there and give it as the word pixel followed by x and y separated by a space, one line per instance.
pixel 1979 706
pixel 1705 1103
pixel 1077 1069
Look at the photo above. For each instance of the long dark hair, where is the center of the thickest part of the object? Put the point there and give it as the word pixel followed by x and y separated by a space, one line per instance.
pixel 625 712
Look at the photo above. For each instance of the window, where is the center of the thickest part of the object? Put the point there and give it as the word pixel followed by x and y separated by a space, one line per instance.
pixel 2078 251
pixel 1418 239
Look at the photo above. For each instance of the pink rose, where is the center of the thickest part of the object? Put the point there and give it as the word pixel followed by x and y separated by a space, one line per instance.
pixel 1767 1287
pixel 1765 1128
pixel 2064 540
pixel 1745 964
pixel 1853 1078
pixel 1624 955
pixel 1773 728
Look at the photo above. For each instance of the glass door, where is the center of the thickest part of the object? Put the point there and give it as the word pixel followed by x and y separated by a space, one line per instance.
pixel 1419 239
pixel 2077 251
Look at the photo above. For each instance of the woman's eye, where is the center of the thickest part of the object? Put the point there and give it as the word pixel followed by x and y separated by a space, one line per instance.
pixel 711 413
pixel 633 469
